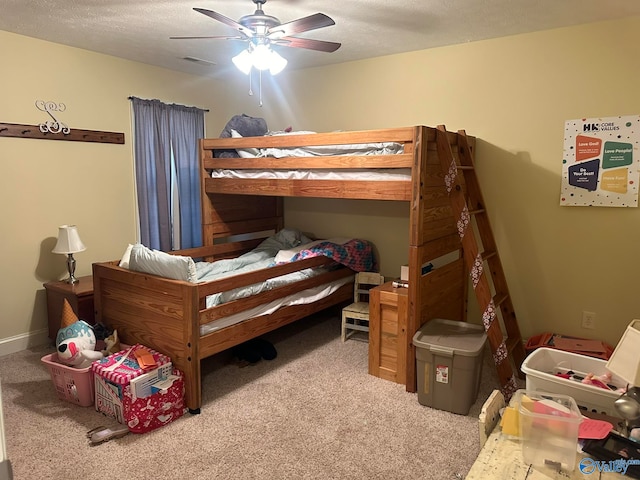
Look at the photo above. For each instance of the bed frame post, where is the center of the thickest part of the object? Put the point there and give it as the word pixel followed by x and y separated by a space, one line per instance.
pixel 416 213
pixel 206 206
pixel 193 388
pixel 441 293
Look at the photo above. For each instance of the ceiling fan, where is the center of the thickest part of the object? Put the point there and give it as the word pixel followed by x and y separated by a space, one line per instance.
pixel 262 31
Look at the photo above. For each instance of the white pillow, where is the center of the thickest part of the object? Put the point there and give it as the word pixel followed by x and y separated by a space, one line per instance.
pixel 287 255
pixel 124 261
pixel 160 263
pixel 245 152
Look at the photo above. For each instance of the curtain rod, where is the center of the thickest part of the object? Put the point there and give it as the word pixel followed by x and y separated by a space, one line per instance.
pixel 176 104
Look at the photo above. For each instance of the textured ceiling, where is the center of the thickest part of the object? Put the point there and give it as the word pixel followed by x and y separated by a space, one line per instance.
pixel 139 30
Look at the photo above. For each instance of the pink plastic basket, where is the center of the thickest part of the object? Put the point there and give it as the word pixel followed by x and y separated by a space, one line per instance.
pixel 74 385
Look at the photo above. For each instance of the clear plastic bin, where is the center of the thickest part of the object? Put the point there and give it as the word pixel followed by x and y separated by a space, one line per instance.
pixel 549 426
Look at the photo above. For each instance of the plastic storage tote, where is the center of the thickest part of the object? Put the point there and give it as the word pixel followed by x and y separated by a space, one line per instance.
pixel 543 365
pixel 449 364
pixel 549 426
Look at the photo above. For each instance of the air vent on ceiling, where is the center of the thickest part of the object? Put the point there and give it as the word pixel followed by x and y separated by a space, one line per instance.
pixel 198 60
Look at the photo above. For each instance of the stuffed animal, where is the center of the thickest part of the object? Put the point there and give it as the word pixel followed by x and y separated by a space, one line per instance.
pixel 76 340
pixel 76 345
pixel 246 126
pixel 112 344
pixel 601 381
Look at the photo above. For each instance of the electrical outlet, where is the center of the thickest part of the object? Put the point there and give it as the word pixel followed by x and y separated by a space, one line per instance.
pixel 588 320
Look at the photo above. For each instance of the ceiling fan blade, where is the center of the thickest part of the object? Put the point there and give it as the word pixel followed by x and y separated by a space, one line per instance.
pixel 226 20
pixel 308 43
pixel 312 22
pixel 208 37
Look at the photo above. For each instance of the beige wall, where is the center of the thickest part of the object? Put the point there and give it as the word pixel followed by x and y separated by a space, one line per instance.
pixel 513 94
pixel 49 183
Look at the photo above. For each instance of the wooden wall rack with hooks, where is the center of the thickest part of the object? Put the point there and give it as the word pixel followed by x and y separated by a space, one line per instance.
pixel 75 135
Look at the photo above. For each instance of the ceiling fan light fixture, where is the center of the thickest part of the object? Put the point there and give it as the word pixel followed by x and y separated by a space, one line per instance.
pixel 243 61
pixel 277 63
pixel 260 57
pixel 261 32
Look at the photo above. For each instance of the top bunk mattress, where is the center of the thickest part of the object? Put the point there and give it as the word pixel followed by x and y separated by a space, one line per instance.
pixel 382 174
pixel 371 148
pixel 354 149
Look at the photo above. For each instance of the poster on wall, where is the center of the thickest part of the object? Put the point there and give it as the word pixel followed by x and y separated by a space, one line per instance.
pixel 601 162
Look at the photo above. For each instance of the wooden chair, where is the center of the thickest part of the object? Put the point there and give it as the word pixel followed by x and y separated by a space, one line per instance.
pixel 355 317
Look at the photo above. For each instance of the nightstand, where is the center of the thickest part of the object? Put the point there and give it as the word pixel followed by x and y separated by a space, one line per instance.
pixel 388 310
pixel 80 297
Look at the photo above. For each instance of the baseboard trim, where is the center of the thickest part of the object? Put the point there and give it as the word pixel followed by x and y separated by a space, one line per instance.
pixel 23 342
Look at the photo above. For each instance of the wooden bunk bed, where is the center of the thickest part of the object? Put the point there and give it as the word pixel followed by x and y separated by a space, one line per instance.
pixel 166 315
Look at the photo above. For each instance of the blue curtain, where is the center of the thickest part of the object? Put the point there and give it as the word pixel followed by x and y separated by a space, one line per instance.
pixel 166 141
pixel 186 125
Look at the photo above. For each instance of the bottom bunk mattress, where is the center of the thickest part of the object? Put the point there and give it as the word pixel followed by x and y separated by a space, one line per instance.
pixel 309 295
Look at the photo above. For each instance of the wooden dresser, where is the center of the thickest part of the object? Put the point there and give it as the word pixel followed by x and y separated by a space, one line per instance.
pixel 388 310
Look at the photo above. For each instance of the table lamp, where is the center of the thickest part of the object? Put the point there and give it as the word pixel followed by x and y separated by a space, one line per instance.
pixel 625 363
pixel 69 243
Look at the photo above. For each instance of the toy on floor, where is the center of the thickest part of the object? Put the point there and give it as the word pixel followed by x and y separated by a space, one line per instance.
pixel 103 434
pixel 76 341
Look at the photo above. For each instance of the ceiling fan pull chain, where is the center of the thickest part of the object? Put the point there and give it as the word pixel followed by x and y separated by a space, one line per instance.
pixel 260 86
pixel 250 90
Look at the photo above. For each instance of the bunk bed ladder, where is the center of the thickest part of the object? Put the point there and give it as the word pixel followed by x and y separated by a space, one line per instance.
pixel 481 259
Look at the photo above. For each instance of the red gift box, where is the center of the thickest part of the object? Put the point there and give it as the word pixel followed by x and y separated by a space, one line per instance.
pixel 158 409
pixel 158 400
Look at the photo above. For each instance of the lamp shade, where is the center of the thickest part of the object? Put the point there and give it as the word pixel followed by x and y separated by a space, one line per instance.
pixel 68 240
pixel 625 359
pixel 277 63
pixel 261 57
pixel 243 61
